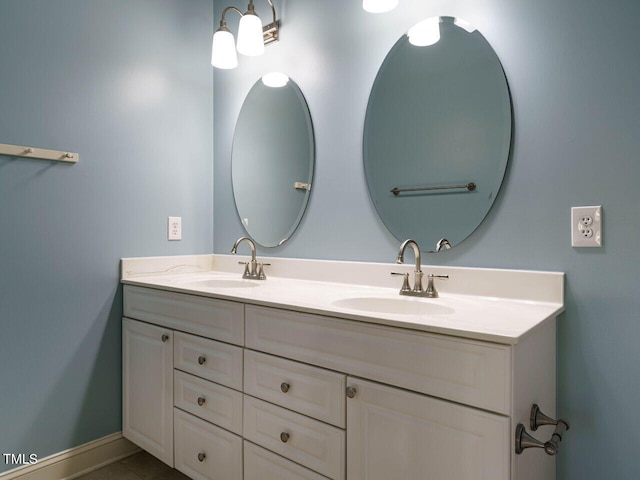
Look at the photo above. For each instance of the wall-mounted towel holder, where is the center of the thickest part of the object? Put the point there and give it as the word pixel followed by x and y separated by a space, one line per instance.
pixel 40 153
pixel 525 440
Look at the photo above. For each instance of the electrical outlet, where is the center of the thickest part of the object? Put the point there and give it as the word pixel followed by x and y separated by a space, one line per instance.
pixel 586 226
pixel 174 228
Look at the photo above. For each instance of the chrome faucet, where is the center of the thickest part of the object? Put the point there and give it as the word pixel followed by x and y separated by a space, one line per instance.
pixel 417 290
pixel 252 269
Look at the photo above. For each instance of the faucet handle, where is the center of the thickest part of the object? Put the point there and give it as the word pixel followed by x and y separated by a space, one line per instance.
pixel 247 271
pixel 431 291
pixel 260 274
pixel 405 281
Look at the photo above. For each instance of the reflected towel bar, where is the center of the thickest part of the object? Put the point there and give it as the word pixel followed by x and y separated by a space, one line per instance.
pixel 40 153
pixel 469 186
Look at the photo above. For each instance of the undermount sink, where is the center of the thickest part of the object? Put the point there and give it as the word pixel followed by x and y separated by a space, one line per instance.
pixel 220 283
pixel 401 306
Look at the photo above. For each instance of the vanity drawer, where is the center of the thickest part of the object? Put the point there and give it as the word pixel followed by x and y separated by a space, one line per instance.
pixel 465 371
pixel 204 451
pixel 312 391
pixel 261 464
pixel 215 361
pixel 311 443
pixel 209 401
pixel 209 317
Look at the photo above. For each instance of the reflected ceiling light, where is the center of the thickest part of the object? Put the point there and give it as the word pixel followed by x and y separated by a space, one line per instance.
pixel 379 6
pixel 275 79
pixel 252 37
pixel 464 25
pixel 425 33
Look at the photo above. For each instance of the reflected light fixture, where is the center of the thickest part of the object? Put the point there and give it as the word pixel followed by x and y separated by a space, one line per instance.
pixel 252 37
pixel 275 79
pixel 464 25
pixel 425 33
pixel 379 6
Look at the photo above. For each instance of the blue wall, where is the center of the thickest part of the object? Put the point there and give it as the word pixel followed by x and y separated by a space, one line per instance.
pixel 574 73
pixel 128 85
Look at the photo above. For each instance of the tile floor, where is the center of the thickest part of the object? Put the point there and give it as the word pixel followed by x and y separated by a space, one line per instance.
pixel 141 466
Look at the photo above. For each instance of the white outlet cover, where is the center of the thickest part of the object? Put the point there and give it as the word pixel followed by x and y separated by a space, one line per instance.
pixel 586 226
pixel 174 228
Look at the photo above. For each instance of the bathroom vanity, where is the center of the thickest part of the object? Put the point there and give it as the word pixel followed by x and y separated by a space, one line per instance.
pixel 336 377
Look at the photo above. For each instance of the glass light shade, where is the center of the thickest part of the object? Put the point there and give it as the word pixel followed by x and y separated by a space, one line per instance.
pixel 379 6
pixel 275 79
pixel 250 38
pixel 464 25
pixel 425 33
pixel 223 50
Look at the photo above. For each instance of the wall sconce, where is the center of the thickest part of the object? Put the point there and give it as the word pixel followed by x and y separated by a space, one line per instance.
pixel 252 37
pixel 379 6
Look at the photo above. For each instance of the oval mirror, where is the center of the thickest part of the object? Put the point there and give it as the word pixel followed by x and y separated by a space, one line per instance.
pixel 437 133
pixel 272 162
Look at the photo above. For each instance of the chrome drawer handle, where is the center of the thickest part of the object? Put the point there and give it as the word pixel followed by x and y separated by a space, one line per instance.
pixel 284 387
pixel 351 392
pixel 165 337
pixel 201 457
pixel 201 401
pixel 202 359
pixel 284 436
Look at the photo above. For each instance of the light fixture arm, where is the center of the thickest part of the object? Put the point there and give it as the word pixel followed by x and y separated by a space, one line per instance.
pixel 271 31
pixel 223 22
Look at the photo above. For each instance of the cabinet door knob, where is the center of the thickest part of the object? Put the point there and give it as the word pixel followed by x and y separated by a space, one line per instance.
pixel 165 337
pixel 284 436
pixel 201 401
pixel 201 457
pixel 351 392
pixel 202 359
pixel 284 387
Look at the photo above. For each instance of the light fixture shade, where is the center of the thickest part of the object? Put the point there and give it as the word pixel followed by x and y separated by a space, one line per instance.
pixel 250 38
pixel 223 50
pixel 425 33
pixel 275 79
pixel 379 6
pixel 464 24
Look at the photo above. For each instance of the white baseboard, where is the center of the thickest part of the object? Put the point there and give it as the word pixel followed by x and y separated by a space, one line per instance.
pixel 76 461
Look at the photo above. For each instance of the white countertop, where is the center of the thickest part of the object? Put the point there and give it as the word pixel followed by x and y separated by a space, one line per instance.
pixel 501 306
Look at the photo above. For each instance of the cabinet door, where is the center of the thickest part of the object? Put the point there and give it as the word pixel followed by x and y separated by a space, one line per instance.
pixel 393 433
pixel 147 375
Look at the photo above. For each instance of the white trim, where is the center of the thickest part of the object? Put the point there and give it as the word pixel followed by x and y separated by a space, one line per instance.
pixel 76 461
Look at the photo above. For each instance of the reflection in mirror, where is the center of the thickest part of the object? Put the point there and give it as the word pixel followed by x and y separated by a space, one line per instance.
pixel 272 160
pixel 437 133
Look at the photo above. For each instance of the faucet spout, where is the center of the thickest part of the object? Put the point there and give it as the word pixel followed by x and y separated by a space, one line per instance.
pixel 416 252
pixel 417 282
pixel 251 268
pixel 252 245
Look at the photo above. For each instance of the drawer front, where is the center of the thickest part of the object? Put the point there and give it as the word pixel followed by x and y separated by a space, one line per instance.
pixel 204 451
pixel 209 401
pixel 261 464
pixel 465 371
pixel 312 391
pixel 215 361
pixel 310 443
pixel 209 317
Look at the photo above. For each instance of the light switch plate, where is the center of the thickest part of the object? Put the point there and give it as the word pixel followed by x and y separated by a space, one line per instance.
pixel 586 226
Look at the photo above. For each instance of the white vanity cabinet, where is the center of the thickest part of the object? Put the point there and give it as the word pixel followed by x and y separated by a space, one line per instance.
pixel 264 393
pixel 147 387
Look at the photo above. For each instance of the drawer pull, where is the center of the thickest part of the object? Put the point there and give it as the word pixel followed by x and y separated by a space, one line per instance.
pixel 165 337
pixel 351 392
pixel 284 387
pixel 201 457
pixel 284 436
pixel 201 401
pixel 202 359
